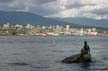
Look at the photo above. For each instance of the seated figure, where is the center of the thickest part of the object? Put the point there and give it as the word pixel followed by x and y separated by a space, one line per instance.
pixel 85 51
pixel 84 56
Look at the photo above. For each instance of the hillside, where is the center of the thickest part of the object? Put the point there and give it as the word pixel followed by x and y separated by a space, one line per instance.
pixel 86 21
pixel 19 17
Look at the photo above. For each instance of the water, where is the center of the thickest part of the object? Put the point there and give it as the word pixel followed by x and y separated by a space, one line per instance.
pixel 39 53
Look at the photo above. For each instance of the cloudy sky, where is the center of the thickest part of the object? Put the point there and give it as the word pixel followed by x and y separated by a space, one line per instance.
pixel 97 9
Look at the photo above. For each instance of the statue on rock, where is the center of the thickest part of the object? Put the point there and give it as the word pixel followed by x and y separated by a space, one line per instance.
pixel 84 55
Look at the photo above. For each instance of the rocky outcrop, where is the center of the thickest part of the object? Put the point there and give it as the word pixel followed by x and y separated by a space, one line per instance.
pixel 77 58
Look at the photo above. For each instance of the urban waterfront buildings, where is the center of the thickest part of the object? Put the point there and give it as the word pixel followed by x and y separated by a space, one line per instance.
pixel 55 30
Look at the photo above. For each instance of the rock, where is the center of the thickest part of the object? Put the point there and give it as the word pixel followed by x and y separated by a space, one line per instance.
pixel 86 58
pixel 77 59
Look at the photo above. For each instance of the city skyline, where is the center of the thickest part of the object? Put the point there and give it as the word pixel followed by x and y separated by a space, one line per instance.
pixel 9 29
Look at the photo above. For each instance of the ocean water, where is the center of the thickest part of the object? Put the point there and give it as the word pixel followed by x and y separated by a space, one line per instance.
pixel 44 53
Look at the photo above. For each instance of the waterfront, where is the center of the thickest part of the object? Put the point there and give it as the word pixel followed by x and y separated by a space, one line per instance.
pixel 54 30
pixel 44 53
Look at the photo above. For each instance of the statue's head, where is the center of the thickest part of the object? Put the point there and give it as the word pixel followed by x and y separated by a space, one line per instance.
pixel 85 42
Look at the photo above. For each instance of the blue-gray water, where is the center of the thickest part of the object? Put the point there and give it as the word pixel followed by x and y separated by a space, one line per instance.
pixel 39 53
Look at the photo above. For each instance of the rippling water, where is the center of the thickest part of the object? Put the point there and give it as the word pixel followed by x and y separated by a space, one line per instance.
pixel 39 53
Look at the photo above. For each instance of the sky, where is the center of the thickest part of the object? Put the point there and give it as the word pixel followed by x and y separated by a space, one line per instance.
pixel 96 9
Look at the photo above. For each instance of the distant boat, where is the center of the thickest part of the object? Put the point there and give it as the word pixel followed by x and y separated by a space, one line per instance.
pixel 90 34
pixel 51 33
pixel 43 34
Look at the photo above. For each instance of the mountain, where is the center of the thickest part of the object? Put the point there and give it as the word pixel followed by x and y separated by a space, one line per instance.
pixel 19 17
pixel 87 21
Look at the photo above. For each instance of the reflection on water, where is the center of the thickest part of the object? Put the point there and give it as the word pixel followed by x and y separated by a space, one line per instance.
pixel 38 53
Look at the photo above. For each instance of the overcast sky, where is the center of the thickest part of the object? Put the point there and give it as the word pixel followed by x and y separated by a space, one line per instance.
pixel 97 9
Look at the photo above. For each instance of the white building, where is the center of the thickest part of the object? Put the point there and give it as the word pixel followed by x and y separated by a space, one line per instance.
pixel 67 27
pixel 81 31
pixel 18 26
pixel 43 27
pixel 7 25
pixel 28 26
pixel 94 29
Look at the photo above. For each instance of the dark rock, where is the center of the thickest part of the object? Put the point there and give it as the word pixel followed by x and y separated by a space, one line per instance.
pixel 77 59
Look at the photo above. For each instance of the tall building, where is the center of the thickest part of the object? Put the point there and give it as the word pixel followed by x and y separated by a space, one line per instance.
pixel 29 26
pixel 67 27
pixel 7 25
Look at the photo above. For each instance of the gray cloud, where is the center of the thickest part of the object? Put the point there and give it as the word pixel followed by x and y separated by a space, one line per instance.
pixel 41 11
pixel 13 5
pixel 5 1
pixel 39 2
pixel 60 8
pixel 45 1
pixel 77 5
pixel 100 11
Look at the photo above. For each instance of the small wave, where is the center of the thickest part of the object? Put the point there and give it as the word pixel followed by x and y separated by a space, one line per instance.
pixel 16 54
pixel 104 68
pixel 105 58
pixel 96 64
pixel 57 51
pixel 39 66
pixel 18 64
